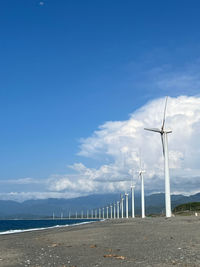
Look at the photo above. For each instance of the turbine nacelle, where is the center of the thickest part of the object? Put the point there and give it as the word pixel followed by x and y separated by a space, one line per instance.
pixel 161 131
pixel 140 172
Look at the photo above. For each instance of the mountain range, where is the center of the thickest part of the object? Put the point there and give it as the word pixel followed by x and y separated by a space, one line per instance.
pixel 43 208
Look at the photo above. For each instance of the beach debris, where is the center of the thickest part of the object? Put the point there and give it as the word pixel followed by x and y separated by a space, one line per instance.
pixel 53 245
pixel 93 246
pixel 114 256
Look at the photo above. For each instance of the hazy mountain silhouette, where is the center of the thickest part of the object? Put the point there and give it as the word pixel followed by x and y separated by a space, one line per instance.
pixel 154 203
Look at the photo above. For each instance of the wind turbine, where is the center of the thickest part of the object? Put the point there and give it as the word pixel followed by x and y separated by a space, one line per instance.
pixel 92 216
pixel 126 196
pixel 122 206
pixel 163 134
pixel 141 171
pixel 114 205
pixel 103 212
pixel 107 212
pixel 133 200
pixel 99 213
pixel 111 211
pixel 117 209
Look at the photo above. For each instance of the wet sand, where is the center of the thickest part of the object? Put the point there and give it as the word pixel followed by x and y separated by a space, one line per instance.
pixel 128 242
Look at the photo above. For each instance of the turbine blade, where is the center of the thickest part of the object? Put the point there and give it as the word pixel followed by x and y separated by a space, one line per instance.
pixel 163 147
pixel 153 130
pixel 163 123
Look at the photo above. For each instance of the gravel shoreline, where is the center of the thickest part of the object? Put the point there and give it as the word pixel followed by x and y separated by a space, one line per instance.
pixel 129 242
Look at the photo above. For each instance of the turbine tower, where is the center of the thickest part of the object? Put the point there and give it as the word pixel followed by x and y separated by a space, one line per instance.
pixel 133 200
pixel 114 205
pixel 117 209
pixel 107 212
pixel 103 213
pixel 141 171
pixel 163 134
pixel 122 206
pixel 111 211
pixel 126 196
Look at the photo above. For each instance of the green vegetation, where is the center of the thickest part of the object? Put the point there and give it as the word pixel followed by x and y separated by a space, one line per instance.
pixel 191 206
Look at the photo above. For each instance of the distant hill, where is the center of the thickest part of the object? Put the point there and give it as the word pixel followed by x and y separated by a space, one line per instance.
pixel 191 206
pixel 155 204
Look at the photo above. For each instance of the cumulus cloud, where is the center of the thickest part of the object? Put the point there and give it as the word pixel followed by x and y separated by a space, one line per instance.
pixel 121 141
pixel 22 196
pixel 117 146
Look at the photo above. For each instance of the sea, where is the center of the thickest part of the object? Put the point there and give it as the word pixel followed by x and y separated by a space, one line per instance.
pixel 17 226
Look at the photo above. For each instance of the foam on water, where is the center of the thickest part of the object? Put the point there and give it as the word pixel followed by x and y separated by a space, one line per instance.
pixel 42 228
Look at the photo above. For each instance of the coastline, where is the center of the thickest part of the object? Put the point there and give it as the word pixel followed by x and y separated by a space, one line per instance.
pixel 120 242
pixel 8 232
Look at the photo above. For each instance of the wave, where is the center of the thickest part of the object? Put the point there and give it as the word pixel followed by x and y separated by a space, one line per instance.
pixel 41 228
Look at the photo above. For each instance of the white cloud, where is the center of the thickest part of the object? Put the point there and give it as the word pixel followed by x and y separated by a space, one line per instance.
pixel 122 140
pixel 22 196
pixel 23 181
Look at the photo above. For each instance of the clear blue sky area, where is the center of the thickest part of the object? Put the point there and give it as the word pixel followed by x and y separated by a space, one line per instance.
pixel 68 66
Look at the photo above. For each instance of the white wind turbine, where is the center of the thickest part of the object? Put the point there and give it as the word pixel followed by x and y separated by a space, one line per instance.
pixel 133 198
pixel 126 196
pixel 99 213
pixel 141 171
pixel 122 206
pixel 92 215
pixel 163 134
pixel 111 211
pixel 107 212
pixel 117 209
pixel 114 210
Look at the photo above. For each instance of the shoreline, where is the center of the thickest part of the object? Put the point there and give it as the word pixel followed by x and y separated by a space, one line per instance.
pixel 18 231
pixel 128 242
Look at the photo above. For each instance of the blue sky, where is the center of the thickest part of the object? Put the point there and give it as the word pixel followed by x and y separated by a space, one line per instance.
pixel 68 67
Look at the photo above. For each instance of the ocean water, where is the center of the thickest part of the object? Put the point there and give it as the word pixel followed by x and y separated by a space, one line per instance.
pixel 17 226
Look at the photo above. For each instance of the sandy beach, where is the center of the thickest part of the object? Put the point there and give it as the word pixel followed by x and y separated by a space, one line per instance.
pixel 127 242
